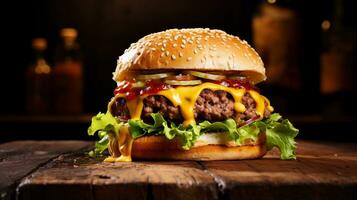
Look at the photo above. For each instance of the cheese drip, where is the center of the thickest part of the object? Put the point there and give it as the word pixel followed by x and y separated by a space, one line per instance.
pixel 184 97
pixel 123 141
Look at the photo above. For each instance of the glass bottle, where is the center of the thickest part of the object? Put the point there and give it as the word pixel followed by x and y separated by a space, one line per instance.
pixel 67 74
pixel 38 79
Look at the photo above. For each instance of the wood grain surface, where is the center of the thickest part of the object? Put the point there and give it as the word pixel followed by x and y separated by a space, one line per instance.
pixel 321 171
pixel 19 158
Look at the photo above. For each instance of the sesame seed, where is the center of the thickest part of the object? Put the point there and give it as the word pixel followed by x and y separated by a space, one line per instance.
pixel 176 37
pixel 183 41
pixel 180 54
pixel 183 46
pixel 162 55
pixel 167 53
pixel 195 51
pixel 173 57
pixel 189 58
pixel 174 45
pixel 162 49
pixel 164 44
pixel 190 41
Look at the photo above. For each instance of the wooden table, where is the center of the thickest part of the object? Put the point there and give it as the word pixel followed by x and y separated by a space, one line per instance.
pixel 61 170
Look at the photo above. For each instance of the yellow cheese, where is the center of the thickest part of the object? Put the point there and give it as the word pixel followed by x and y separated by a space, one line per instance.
pixel 269 107
pixel 184 97
pixel 259 101
pixel 125 142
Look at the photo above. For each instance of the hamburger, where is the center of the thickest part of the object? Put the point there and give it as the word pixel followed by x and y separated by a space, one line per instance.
pixel 190 94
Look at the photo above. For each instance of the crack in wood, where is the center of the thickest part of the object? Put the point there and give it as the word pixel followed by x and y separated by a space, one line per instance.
pixel 220 183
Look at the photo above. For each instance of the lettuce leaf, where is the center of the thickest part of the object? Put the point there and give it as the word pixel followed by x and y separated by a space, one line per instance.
pixel 280 132
pixel 139 128
pixel 104 124
pixel 186 135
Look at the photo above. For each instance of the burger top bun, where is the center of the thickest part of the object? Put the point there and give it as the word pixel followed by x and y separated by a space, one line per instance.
pixel 191 49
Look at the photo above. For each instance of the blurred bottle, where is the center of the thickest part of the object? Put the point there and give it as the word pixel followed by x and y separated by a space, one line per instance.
pixel 338 59
pixel 276 36
pixel 67 74
pixel 38 78
pixel 285 34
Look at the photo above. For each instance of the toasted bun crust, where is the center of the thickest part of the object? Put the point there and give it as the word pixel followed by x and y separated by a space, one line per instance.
pixel 191 49
pixel 160 148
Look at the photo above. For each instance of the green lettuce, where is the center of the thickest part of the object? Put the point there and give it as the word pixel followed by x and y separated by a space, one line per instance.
pixel 280 132
pixel 103 124
pixel 186 135
pixel 239 135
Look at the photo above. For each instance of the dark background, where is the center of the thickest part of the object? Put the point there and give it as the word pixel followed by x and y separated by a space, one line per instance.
pixel 106 29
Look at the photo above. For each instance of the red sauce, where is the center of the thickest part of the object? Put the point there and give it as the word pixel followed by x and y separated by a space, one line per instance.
pixel 151 87
pixel 123 87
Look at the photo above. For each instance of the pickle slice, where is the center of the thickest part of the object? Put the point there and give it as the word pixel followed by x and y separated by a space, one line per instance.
pixel 153 76
pixel 204 75
pixel 191 82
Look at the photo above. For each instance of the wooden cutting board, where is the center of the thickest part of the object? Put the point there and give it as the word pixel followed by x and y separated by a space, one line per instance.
pixel 61 170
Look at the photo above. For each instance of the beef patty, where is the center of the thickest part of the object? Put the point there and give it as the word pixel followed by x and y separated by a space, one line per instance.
pixel 210 105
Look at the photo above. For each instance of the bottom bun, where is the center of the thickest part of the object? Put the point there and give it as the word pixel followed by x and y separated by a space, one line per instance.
pixel 160 148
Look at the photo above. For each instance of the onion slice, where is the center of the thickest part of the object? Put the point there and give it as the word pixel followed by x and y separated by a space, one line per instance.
pixel 204 75
pixel 249 121
pixel 191 82
pixel 153 76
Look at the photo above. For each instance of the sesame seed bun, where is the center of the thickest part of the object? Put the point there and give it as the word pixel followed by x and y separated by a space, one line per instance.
pixel 191 49
pixel 160 148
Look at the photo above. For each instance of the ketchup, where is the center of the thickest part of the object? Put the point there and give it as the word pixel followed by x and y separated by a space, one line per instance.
pixel 123 87
pixel 152 87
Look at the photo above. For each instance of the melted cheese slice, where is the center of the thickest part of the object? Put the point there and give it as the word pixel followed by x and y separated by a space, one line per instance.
pixel 184 97
pixel 124 143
